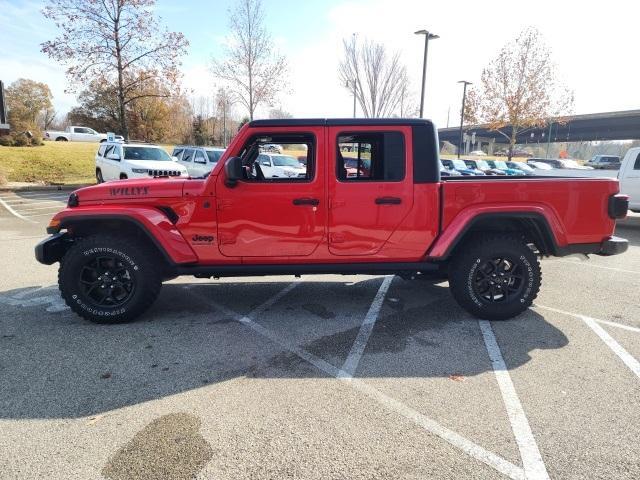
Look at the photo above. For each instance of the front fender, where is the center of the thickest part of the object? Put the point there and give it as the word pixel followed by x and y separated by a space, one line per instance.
pixel 152 222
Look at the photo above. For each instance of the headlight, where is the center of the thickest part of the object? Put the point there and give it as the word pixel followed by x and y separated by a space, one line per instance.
pixel 139 170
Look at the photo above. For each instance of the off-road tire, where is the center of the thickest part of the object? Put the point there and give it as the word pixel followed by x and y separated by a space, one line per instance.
pixel 123 176
pixel 78 271
pixel 472 271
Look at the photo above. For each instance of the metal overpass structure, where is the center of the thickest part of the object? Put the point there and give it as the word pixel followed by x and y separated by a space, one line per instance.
pixel 624 125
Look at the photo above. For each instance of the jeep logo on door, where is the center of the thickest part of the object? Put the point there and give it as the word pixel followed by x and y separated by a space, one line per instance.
pixel 202 239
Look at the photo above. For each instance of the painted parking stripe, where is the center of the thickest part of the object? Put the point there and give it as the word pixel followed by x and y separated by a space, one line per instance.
pixel 14 213
pixel 470 448
pixel 618 349
pixel 534 467
pixel 580 316
pixel 36 194
pixel 357 349
pixel 24 208
pixel 589 264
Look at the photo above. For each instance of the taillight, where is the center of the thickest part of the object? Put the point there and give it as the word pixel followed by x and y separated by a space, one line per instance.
pixel 618 205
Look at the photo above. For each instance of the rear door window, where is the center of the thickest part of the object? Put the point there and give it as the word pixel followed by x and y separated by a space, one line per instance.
pixel 371 156
pixel 200 157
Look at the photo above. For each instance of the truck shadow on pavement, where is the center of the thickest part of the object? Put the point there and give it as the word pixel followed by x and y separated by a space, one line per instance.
pixel 55 365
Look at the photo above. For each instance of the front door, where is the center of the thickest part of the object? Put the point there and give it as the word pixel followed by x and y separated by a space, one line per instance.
pixel 370 186
pixel 275 217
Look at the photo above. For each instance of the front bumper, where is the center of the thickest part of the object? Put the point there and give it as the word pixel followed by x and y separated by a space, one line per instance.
pixel 52 249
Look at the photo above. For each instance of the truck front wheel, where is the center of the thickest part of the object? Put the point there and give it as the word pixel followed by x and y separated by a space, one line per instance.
pixel 106 279
pixel 495 277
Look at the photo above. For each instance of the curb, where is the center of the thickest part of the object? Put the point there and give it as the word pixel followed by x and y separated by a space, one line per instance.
pixel 41 188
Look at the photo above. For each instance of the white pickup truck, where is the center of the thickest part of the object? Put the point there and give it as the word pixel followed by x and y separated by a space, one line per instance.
pixel 629 177
pixel 77 134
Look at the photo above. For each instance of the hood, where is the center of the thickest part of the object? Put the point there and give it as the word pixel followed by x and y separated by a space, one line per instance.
pixel 132 189
pixel 156 165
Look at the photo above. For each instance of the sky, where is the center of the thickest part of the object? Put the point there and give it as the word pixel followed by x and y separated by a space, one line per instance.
pixel 592 43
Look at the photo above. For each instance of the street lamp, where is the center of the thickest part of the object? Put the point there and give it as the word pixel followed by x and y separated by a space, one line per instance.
pixel 427 36
pixel 464 97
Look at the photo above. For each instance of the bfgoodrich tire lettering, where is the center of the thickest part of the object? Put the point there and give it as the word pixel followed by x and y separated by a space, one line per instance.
pixel 107 279
pixel 495 277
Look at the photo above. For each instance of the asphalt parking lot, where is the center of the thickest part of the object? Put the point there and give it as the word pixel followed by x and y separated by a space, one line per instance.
pixel 322 377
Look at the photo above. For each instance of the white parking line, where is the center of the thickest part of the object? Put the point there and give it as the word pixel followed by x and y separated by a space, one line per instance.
pixel 24 209
pixel 36 194
pixel 476 451
pixel 592 265
pixel 625 356
pixel 14 213
pixel 534 467
pixel 33 202
pixel 580 316
pixel 357 349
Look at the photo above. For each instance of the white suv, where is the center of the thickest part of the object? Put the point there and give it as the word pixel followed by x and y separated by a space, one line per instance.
pixel 199 161
pixel 117 161
pixel 275 165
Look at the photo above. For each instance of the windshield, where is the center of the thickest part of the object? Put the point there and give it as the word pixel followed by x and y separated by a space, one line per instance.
pixel 146 153
pixel 459 164
pixel 214 155
pixel 483 165
pixel 284 161
pixel 500 165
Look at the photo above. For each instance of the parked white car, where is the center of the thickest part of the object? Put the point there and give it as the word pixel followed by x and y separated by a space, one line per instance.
pixel 118 161
pixel 276 165
pixel 77 134
pixel 199 161
pixel 629 177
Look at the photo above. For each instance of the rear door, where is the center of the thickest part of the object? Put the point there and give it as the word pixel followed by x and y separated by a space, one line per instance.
pixel 370 186
pixel 263 217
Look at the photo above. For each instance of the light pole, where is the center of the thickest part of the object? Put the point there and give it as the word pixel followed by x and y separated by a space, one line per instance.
pixel 427 36
pixel 464 98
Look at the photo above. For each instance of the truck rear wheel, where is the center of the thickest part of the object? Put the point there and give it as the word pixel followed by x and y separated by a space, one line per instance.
pixel 495 277
pixel 107 279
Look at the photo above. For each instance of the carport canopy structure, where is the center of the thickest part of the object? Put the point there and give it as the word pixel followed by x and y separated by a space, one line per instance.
pixel 623 125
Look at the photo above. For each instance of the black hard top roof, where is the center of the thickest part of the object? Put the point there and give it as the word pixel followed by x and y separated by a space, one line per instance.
pixel 315 122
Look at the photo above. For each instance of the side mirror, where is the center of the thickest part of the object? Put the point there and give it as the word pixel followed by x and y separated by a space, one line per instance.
pixel 232 171
pixel 113 156
pixel 175 159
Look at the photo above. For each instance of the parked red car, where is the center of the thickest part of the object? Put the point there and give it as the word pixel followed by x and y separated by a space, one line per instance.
pixel 117 242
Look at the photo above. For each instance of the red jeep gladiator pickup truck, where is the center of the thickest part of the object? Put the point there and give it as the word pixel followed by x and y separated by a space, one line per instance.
pixel 343 197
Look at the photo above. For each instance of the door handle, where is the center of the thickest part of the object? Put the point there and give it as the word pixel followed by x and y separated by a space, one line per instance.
pixel 388 201
pixel 306 201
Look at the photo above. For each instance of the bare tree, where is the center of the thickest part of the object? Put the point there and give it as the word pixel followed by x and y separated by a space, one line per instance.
pixel 48 117
pixel 118 40
pixel 255 72
pixel 279 113
pixel 224 103
pixel 380 79
pixel 519 89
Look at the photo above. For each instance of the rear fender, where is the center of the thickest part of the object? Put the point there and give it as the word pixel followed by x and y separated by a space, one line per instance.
pixel 152 222
pixel 455 232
